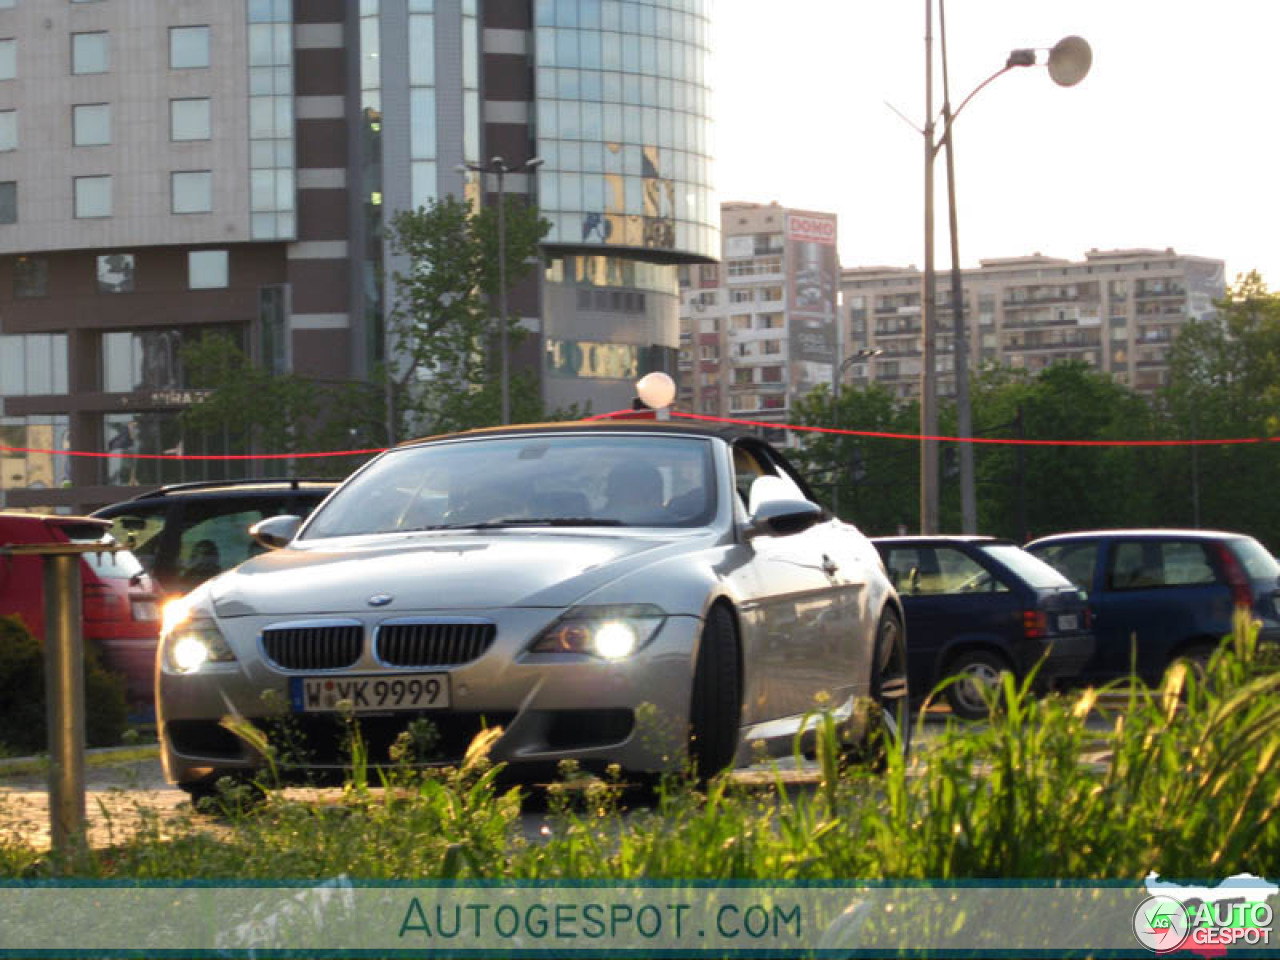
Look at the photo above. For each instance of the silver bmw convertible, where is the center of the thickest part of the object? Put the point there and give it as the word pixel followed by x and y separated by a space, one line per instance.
pixel 639 593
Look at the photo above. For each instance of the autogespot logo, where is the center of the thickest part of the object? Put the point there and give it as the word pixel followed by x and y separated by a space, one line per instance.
pixel 1160 924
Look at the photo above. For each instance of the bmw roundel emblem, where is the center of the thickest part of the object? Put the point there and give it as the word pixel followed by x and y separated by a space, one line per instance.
pixel 380 599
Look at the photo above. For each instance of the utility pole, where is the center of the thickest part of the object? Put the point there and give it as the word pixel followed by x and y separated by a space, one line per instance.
pixel 1021 429
pixel 928 310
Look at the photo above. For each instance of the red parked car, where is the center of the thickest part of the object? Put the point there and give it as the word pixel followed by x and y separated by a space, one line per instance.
pixel 120 603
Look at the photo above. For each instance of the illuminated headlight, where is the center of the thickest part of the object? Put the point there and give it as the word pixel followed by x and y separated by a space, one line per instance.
pixel 193 644
pixel 611 633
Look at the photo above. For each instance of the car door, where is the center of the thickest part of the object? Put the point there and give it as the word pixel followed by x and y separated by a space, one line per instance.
pixel 1157 593
pixel 949 598
pixel 790 601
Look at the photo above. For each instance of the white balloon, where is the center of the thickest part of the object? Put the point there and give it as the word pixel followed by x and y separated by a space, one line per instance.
pixel 656 390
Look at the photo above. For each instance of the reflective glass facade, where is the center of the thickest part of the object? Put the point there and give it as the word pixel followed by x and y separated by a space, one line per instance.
pixel 623 123
pixel 272 190
pixel 607 320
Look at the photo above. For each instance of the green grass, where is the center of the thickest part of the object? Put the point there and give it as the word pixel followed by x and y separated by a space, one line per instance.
pixel 122 756
pixel 1186 782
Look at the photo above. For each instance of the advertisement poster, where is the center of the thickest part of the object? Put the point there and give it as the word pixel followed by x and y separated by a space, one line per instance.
pixel 812 289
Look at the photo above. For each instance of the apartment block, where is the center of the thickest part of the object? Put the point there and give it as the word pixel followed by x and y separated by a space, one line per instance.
pixel 1117 310
pixel 758 330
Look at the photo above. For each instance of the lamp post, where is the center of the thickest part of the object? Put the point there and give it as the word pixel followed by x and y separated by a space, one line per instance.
pixel 500 168
pixel 1068 62
pixel 837 378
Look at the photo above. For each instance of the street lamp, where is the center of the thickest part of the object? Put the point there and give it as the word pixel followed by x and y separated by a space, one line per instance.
pixel 837 377
pixel 1068 62
pixel 500 168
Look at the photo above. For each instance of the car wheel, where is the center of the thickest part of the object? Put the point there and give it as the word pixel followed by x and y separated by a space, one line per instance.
pixel 716 707
pixel 977 669
pixel 889 726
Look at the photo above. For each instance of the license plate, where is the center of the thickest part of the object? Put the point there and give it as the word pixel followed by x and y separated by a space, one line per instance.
pixel 370 694
pixel 145 610
pixel 1068 622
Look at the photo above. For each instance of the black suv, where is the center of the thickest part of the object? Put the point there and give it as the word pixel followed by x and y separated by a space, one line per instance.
pixel 186 533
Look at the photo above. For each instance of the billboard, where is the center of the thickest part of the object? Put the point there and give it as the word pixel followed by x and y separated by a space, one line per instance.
pixel 812 287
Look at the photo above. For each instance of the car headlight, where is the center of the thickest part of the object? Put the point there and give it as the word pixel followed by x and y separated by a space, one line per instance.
pixel 188 642
pixel 609 632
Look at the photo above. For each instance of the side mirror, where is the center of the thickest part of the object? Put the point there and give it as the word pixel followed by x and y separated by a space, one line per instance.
pixel 782 518
pixel 276 532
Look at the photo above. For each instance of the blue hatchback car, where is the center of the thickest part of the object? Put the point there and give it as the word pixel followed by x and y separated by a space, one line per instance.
pixel 977 606
pixel 1161 595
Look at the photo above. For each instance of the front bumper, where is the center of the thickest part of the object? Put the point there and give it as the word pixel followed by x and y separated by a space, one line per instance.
pixel 632 712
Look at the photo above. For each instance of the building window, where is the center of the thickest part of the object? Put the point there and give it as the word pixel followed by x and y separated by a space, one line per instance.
pixel 91 124
pixel 90 53
pixel 30 278
pixel 192 191
pixel 190 119
pixel 32 471
pixel 33 364
pixel 207 269
pixel 8 130
pixel 8 202
pixel 188 48
pixel 115 273
pixel 92 197
pixel 8 59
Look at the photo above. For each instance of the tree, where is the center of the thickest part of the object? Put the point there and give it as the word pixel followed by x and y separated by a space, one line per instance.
pixel 444 322
pixel 260 411
pixel 1224 382
pixel 1063 487
pixel 444 372
pixel 877 477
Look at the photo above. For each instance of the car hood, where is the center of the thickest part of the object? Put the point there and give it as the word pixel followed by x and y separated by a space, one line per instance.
pixel 437 572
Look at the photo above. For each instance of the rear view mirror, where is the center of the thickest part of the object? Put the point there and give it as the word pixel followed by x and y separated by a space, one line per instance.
pixel 276 532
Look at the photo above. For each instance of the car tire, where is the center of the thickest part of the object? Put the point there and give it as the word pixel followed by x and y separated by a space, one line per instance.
pixel 889 727
pixel 982 666
pixel 715 710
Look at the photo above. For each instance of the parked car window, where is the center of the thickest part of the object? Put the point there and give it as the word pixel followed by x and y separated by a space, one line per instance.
pixel 933 571
pixel 1075 561
pixel 1031 569
pixel 1140 565
pixel 213 540
pixel 140 532
pixel 1258 563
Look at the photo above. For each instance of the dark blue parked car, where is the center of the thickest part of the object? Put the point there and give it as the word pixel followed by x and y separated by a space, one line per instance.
pixel 1162 595
pixel 978 606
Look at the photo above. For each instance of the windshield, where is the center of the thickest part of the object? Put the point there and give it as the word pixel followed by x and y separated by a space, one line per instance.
pixel 1031 569
pixel 565 480
pixel 120 565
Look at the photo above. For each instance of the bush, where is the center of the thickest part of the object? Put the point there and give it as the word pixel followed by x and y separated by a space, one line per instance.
pixel 23 727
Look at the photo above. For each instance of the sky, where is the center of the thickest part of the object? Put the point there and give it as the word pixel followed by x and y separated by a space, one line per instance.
pixel 1170 141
